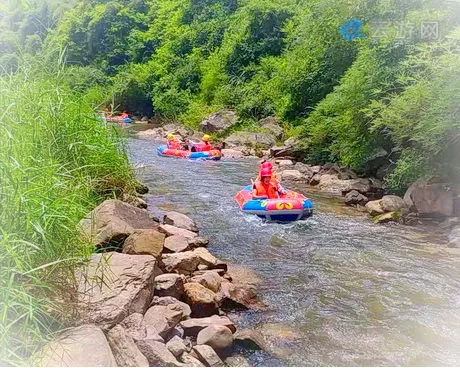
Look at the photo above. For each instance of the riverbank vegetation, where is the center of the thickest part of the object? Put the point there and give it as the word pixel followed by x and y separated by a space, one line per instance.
pixel 388 86
pixel 58 160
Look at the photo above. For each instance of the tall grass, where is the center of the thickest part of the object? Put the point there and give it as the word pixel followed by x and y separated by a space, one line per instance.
pixel 57 161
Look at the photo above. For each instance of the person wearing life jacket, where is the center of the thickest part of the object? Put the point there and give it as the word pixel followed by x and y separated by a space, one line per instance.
pixel 267 165
pixel 203 145
pixel 173 142
pixel 263 188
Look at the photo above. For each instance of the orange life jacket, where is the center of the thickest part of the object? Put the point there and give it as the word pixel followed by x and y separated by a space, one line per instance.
pixel 273 179
pixel 266 190
pixel 174 144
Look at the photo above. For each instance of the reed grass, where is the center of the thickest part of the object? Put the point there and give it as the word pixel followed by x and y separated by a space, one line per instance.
pixel 57 161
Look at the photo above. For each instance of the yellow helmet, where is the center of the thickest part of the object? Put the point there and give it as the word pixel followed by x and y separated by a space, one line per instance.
pixel 206 138
pixel 170 136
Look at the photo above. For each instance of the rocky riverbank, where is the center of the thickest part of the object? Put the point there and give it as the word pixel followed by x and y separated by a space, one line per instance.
pixel 152 295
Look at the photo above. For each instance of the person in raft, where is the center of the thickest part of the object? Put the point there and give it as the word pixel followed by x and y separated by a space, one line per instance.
pixel 173 142
pixel 203 145
pixel 264 187
pixel 274 177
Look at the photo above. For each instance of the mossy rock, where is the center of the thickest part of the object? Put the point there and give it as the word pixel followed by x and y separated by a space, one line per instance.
pixel 387 217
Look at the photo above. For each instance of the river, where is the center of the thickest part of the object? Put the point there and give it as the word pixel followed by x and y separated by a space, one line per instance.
pixel 341 290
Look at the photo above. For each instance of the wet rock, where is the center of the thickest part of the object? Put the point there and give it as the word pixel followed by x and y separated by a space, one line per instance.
pixel 272 124
pixel 114 285
pixel 176 244
pixel 170 230
pixel 232 153
pixel 176 346
pixel 167 300
pixel 193 326
pixel 392 203
pixel 184 262
pixel 163 318
pixel 291 175
pixel 250 339
pixel 133 200
pixel 147 241
pixel 231 296
pixel 208 356
pixel 216 336
pixel 354 198
pixel 126 352
pixel 198 242
pixel 202 301
pixel 387 217
pixel 209 279
pixel 219 271
pixel 315 180
pixel 237 361
pixel 261 140
pixel 430 198
pixel 190 361
pixel 374 208
pixel 243 276
pixel 180 220
pixel 169 284
pixel 141 188
pixel 219 121
pixel 83 346
pixel 113 221
pixel 158 354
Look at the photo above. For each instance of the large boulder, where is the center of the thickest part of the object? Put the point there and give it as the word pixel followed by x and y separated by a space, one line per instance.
pixel 232 153
pixel 170 230
pixel 169 284
pixel 355 198
pixel 261 140
pixel 113 221
pixel 180 220
pixel 83 346
pixel 392 203
pixel 272 125
pixel 135 327
pixel 193 326
pixel 176 244
pixel 125 350
pixel 208 356
pixel 149 241
pixel 167 300
pixel 158 354
pixel 163 318
pixel 387 217
pixel 206 258
pixel 231 296
pixel 291 175
pixel 280 151
pixel 430 198
pixel 176 346
pixel 190 361
pixel 184 263
pixel 202 301
pixel 285 163
pixel 219 121
pixel 216 336
pixel 113 285
pixel 209 279
pixel 374 208
pixel 250 339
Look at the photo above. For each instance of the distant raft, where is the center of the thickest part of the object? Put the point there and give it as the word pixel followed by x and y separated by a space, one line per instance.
pixel 119 119
pixel 292 206
pixel 213 154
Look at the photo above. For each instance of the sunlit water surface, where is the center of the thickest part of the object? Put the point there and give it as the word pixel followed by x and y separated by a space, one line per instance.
pixel 343 290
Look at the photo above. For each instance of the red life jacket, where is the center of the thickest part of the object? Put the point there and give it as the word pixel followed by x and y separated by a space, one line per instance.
pixel 174 144
pixel 266 190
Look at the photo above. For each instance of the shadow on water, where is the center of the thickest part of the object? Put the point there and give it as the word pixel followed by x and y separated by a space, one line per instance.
pixel 340 290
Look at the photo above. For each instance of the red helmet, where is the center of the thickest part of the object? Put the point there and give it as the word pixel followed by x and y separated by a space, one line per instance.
pixel 265 172
pixel 267 165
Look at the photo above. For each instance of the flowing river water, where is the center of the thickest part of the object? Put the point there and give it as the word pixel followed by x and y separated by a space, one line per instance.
pixel 340 290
